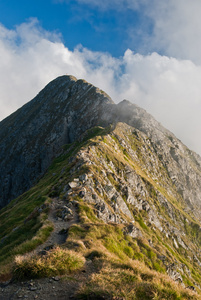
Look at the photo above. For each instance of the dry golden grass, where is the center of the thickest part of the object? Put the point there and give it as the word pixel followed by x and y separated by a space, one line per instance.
pixel 133 280
pixel 56 262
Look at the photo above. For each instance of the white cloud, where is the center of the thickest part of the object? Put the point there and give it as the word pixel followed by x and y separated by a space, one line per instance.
pixel 29 58
pixel 176 25
pixel 166 87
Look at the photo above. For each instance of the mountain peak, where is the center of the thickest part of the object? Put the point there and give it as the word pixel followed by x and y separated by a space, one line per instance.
pixel 33 135
pixel 65 109
pixel 113 183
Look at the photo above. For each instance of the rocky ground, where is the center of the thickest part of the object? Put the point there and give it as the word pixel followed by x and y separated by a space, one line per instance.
pixel 62 216
pixel 62 288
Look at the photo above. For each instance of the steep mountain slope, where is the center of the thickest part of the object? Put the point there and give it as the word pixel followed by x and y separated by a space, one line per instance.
pixel 124 195
pixel 182 164
pixel 63 110
pixel 33 135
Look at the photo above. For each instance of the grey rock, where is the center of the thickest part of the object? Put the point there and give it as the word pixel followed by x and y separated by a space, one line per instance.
pixel 73 184
pixel 56 278
pixel 83 177
pixel 173 273
pixel 33 288
pixel 76 179
pixel 175 243
pixel 133 231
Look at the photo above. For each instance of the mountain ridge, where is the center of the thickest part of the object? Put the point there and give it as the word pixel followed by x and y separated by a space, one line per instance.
pixel 30 123
pixel 125 190
pixel 59 114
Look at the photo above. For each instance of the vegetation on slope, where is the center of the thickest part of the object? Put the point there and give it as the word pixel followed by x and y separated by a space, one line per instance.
pixel 124 266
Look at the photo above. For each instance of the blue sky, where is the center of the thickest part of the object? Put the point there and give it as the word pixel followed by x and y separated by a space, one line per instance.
pixel 145 51
pixel 107 30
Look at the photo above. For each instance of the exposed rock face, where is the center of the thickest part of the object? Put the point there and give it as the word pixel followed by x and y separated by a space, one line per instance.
pixel 182 164
pixel 34 135
pixel 61 113
pixel 126 188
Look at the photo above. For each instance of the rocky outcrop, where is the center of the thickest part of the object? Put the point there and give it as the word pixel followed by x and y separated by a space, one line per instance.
pixel 35 134
pixel 182 164
pixel 135 193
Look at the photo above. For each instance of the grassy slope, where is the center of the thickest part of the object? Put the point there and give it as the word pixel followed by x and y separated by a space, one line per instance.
pixel 126 267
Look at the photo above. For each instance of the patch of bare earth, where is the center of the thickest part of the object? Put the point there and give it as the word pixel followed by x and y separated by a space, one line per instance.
pixel 54 288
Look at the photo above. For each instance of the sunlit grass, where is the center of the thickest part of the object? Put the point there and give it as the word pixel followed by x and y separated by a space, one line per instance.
pixel 56 262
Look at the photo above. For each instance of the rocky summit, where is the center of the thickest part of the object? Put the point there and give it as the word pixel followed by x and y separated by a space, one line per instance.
pixel 100 191
pixel 34 135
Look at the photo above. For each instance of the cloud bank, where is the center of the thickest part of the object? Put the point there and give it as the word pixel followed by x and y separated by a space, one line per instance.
pixel 168 88
pixel 176 25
